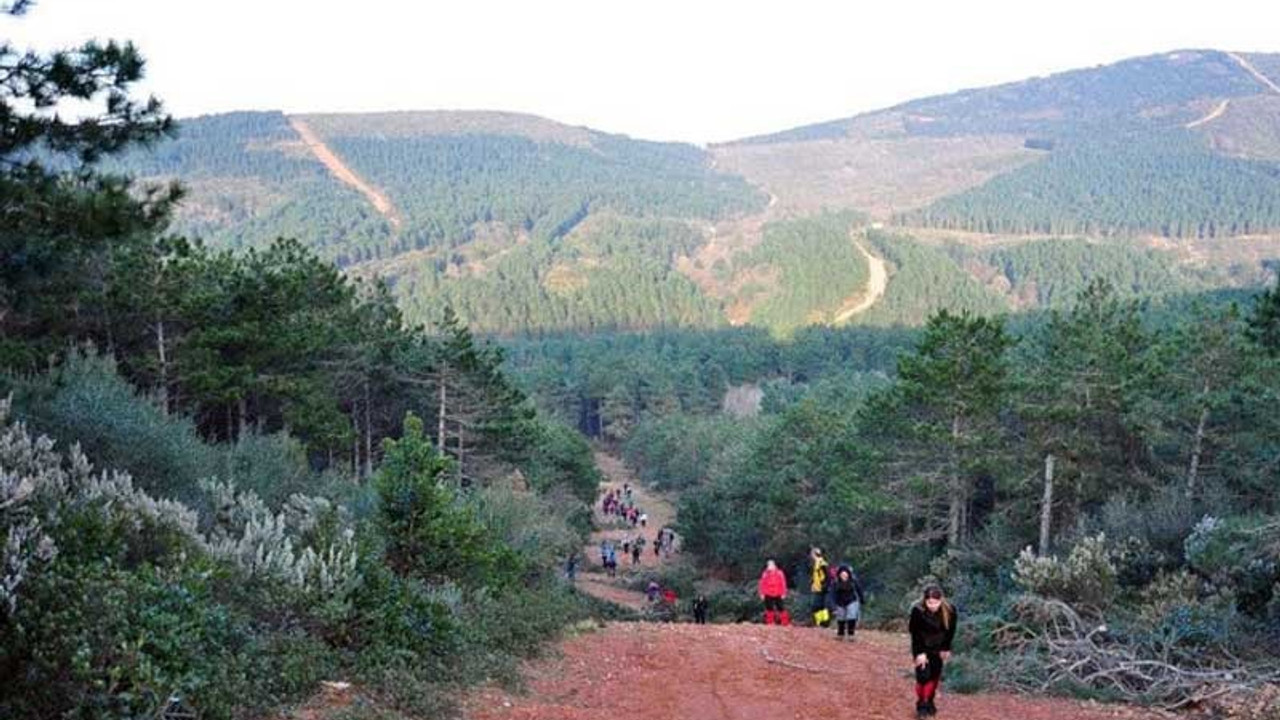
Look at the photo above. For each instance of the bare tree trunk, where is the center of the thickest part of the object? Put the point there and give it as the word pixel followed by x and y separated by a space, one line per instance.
pixel 243 408
pixel 440 429
pixel 163 357
pixel 955 510
pixel 355 443
pixel 368 433
pixel 1046 506
pixel 1197 448
pixel 462 454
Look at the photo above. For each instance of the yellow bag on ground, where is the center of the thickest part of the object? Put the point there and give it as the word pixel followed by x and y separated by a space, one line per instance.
pixel 822 616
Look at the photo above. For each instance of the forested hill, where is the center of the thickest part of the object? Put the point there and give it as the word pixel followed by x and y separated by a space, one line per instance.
pixel 527 225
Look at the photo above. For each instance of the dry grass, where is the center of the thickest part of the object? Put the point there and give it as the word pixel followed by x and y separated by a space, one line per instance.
pixel 446 122
pixel 877 175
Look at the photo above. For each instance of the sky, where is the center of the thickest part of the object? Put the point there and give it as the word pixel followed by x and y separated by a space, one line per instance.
pixel 696 71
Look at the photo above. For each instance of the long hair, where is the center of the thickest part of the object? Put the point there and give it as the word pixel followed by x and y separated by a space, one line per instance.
pixel 933 592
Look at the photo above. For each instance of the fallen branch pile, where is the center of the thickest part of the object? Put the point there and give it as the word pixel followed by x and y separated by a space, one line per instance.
pixel 1074 650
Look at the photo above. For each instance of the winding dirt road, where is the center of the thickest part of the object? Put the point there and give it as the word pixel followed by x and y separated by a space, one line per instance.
pixel 877 283
pixel 1213 115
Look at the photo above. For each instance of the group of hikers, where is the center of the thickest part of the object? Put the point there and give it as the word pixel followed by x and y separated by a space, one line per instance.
pixel 622 504
pixel 837 595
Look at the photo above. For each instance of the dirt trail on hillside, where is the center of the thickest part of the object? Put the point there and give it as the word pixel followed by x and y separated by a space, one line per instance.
pixel 877 283
pixel 340 170
pixel 591 577
pixel 1213 115
pixel 1255 72
pixel 744 672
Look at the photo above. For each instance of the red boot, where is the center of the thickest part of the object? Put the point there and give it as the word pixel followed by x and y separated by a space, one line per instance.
pixel 768 617
pixel 785 617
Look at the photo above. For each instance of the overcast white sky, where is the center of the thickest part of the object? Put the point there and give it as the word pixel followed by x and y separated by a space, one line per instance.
pixel 661 69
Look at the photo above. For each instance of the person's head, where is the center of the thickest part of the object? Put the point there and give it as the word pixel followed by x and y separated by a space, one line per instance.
pixel 816 552
pixel 935 602
pixel 770 564
pixel 845 573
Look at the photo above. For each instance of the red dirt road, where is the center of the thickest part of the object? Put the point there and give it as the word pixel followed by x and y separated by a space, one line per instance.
pixel 636 671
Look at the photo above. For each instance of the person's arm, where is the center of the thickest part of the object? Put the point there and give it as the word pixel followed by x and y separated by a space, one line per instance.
pixel 857 590
pixel 913 627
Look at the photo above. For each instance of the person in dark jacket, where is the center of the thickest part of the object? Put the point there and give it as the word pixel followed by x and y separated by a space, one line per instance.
pixel 932 627
pixel 700 610
pixel 845 598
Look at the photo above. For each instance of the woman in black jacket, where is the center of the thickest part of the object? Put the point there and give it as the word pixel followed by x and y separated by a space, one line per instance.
pixel 933 627
pixel 845 598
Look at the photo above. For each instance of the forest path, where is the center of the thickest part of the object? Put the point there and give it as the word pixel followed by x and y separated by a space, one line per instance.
pixel 591 576
pixel 339 169
pixel 877 283
pixel 744 672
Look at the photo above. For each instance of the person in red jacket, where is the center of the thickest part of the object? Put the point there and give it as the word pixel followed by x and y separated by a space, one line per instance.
pixel 773 591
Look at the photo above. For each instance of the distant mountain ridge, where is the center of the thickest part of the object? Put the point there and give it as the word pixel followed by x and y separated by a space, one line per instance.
pixel 524 224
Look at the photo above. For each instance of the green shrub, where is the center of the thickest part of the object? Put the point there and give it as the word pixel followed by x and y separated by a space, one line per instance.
pixel 429 533
pixel 106 642
pixel 86 401
pixel 967 676
pixel 1087 577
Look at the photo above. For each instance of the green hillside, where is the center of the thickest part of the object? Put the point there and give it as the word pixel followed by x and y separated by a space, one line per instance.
pixel 526 225
pixel 251 180
pixel 1165 184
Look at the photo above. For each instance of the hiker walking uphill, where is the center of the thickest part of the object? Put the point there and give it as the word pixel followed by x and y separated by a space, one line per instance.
pixel 845 597
pixel 932 627
pixel 818 586
pixel 773 591
pixel 700 606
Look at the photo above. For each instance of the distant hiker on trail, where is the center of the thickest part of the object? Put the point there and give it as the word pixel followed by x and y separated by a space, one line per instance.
pixel 626 544
pixel 932 627
pixel 669 598
pixel 651 591
pixel 637 547
pixel 668 541
pixel 773 591
pixel 644 519
pixel 845 597
pixel 571 567
pixel 818 586
pixel 700 610
pixel 611 562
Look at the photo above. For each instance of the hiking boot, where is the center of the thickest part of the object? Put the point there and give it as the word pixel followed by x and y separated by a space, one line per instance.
pixel 922 711
pixel 930 708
